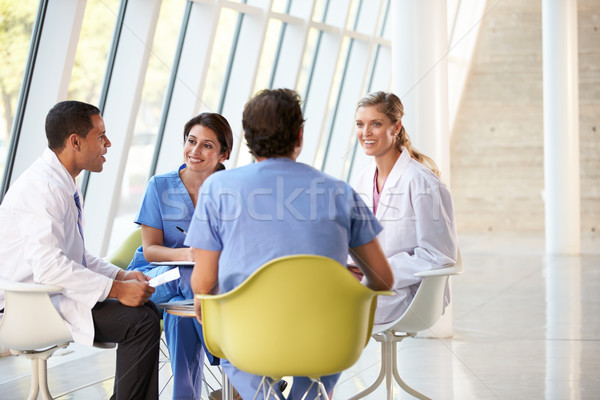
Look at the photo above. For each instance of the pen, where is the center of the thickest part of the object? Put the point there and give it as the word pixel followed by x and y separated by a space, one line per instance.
pixel 181 230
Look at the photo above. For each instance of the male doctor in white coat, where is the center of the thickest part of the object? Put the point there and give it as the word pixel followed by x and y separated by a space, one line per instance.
pixel 99 301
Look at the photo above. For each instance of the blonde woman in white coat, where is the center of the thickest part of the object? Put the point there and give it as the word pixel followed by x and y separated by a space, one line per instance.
pixel 404 190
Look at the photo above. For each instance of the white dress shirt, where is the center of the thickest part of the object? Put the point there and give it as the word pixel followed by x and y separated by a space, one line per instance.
pixel 419 231
pixel 40 242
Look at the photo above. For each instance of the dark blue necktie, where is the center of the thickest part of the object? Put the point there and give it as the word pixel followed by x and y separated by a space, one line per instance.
pixel 78 204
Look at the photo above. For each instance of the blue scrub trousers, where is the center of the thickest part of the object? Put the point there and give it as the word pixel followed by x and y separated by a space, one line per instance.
pixel 184 336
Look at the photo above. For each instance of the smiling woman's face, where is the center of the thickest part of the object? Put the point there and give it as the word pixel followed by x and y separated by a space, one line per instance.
pixel 202 151
pixel 376 133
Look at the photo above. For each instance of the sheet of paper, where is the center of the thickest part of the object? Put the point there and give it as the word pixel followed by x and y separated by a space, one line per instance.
pixel 163 278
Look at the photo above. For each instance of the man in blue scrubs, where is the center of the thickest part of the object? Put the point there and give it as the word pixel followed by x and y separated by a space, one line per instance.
pixel 278 207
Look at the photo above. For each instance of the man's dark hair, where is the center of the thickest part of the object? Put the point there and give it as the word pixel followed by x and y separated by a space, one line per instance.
pixel 272 120
pixel 68 117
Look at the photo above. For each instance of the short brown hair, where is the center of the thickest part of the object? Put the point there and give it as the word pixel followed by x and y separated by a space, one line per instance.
pixel 272 120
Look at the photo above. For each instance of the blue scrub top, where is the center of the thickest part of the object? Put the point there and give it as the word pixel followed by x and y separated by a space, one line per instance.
pixel 166 206
pixel 274 208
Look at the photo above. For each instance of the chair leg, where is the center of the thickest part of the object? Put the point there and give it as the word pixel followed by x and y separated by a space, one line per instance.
pixel 35 382
pixel 396 374
pixel 208 371
pixel 43 379
pixel 227 387
pixel 39 370
pixel 385 359
pixel 260 387
pixel 322 390
pixel 272 384
pixel 389 381
pixel 165 354
pixel 312 382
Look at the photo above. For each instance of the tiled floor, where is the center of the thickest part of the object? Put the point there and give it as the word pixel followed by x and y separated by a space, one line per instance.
pixel 526 326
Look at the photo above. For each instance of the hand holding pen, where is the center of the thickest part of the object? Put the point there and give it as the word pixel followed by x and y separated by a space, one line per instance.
pixel 190 253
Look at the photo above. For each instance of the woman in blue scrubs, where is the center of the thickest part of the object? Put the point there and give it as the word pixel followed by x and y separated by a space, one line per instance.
pixel 164 216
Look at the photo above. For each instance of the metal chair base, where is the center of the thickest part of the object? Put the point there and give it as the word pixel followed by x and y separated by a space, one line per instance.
pixel 267 387
pixel 389 367
pixel 39 371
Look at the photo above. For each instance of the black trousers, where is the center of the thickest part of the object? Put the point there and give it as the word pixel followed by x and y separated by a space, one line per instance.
pixel 136 330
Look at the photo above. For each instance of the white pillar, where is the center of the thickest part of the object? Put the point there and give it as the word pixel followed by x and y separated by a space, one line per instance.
pixel 420 75
pixel 564 321
pixel 420 79
pixel 561 126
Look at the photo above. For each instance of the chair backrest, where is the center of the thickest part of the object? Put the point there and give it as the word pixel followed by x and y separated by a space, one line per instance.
pixel 30 321
pixel 301 315
pixel 426 307
pixel 123 255
pixel 429 302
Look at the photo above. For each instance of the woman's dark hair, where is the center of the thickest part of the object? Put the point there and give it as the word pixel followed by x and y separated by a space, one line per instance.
pixel 219 125
pixel 68 117
pixel 272 120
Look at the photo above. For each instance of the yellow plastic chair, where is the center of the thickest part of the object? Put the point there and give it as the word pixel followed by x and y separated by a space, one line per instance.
pixel 123 255
pixel 282 321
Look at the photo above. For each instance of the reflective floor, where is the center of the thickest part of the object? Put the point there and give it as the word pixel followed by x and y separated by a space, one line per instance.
pixel 526 326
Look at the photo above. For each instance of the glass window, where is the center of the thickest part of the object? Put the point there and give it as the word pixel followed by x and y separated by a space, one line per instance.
pixel 16 24
pixel 333 99
pixel 386 26
pixel 141 151
pixel 319 10
pixel 269 52
pixel 94 44
pixel 281 6
pixel 219 58
pixel 307 62
pixel 353 14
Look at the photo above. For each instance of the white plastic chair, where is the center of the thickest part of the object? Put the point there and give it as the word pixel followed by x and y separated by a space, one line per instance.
pixel 32 327
pixel 423 312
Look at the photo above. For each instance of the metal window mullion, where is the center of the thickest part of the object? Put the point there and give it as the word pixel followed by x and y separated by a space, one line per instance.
pixel 23 96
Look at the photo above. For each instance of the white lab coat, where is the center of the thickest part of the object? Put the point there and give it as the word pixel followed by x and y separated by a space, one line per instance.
pixel 419 232
pixel 40 242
